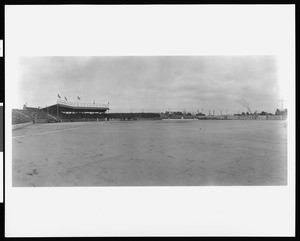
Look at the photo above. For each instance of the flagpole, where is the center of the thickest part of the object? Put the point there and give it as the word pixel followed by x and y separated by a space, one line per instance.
pixel 58 96
pixel 78 100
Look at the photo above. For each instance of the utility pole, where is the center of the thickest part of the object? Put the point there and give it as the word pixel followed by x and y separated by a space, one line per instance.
pixel 281 100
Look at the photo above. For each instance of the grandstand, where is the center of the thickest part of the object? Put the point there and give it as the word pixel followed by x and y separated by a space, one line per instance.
pixel 74 111
pixel 19 117
pixel 65 111
pixel 62 111
pixel 30 114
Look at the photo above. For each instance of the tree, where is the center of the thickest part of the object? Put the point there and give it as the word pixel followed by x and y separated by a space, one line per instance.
pixel 281 112
pixel 263 113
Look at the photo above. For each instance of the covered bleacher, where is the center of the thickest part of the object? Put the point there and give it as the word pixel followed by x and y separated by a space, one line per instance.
pixel 75 111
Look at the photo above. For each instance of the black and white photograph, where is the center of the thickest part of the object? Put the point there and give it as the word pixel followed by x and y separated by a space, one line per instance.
pixel 149 121
pixel 131 120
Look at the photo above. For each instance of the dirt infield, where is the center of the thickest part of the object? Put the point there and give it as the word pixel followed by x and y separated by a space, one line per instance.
pixel 150 153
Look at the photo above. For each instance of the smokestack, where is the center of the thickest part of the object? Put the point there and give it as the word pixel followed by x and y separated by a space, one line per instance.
pixel 245 104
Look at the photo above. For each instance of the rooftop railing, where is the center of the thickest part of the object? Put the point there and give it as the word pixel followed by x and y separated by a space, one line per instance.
pixel 78 104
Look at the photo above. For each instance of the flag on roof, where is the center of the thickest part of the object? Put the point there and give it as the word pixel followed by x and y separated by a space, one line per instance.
pixel 66 98
pixel 78 98
pixel 58 96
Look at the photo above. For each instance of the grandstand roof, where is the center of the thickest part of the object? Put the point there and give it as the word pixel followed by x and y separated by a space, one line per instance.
pixel 78 107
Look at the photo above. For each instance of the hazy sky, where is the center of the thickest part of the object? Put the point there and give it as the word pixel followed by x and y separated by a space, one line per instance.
pixel 155 84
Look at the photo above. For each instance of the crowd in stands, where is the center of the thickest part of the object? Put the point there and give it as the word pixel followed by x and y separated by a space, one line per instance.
pixel 28 114
pixel 18 117
pixel 80 115
pixel 132 116
pixel 34 113
pixel 103 116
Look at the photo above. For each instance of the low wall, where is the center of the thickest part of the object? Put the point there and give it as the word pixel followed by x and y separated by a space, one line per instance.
pixel 243 117
pixel 153 118
pixel 80 120
pixel 41 121
pixel 17 126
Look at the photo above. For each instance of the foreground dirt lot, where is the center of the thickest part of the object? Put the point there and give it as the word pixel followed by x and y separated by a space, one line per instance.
pixel 150 153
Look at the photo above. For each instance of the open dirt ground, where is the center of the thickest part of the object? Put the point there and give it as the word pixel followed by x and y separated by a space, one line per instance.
pixel 150 153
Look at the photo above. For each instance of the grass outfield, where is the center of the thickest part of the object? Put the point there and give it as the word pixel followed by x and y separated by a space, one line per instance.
pixel 150 153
